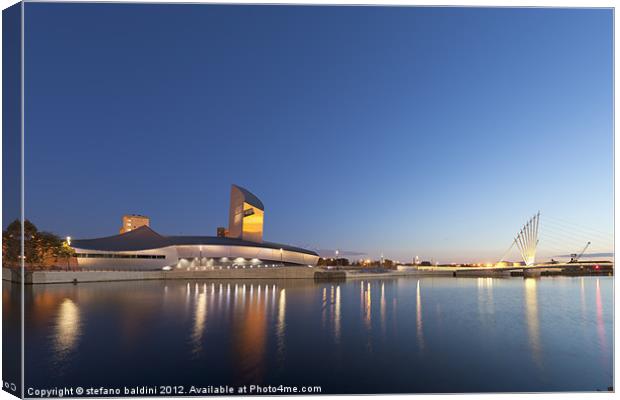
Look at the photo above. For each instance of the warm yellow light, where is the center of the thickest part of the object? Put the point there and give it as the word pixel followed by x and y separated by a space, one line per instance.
pixel 253 222
pixel 69 240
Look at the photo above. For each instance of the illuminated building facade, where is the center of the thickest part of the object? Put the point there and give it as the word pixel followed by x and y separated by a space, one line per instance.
pixel 134 221
pixel 243 246
pixel 246 215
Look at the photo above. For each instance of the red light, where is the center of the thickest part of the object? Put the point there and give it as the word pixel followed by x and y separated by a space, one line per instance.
pixel 596 267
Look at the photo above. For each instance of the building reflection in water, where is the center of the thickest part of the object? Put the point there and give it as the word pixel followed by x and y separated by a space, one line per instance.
pixel 281 325
pixel 418 321
pixel 382 308
pixel 583 299
pixel 249 327
pixel 532 320
pixel 200 319
pixel 367 305
pixel 337 316
pixel 273 297
pixel 68 329
pixel 600 323
pixel 330 310
pixel 486 305
pixel 324 307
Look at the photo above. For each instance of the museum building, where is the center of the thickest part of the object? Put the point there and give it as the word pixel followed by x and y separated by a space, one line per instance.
pixel 139 247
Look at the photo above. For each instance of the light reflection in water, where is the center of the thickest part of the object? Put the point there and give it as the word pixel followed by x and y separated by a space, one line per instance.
pixel 228 296
pixel 367 307
pixel 68 329
pixel 249 334
pixel 337 316
pixel 273 298
pixel 324 307
pixel 253 344
pixel 582 291
pixel 486 306
pixel 419 330
pixel 382 312
pixel 362 292
pixel 281 325
pixel 600 324
pixel 187 296
pixel 200 319
pixel 532 320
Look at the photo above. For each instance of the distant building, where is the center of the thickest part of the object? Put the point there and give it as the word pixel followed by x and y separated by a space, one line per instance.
pixel 221 231
pixel 134 221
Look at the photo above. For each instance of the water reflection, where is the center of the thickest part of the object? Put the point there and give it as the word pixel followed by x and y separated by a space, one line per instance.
pixel 68 327
pixel 382 308
pixel 265 332
pixel 249 327
pixel 337 316
pixel 200 318
pixel 324 307
pixel 418 320
pixel 532 319
pixel 486 305
pixel 582 291
pixel 281 325
pixel 367 305
pixel 600 324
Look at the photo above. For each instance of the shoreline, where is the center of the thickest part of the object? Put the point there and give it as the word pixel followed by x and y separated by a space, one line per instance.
pixel 319 274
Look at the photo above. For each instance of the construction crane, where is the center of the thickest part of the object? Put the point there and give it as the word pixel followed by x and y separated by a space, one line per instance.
pixel 575 257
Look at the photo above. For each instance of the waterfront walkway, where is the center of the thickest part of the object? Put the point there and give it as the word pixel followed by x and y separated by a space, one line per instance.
pixel 301 272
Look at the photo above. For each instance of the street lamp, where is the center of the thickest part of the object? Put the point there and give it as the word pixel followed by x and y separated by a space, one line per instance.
pixel 68 256
pixel 337 260
pixel 281 259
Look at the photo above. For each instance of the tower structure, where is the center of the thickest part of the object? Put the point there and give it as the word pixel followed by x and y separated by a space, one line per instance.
pixel 527 240
pixel 246 215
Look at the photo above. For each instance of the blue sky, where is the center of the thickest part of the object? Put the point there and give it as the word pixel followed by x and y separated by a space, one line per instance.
pixel 428 131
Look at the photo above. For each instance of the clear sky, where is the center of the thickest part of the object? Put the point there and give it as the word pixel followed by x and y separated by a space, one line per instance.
pixel 410 131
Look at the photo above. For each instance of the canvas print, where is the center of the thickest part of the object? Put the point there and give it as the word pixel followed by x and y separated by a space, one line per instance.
pixel 229 199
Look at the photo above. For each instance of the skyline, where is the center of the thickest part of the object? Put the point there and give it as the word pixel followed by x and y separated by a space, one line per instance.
pixel 409 131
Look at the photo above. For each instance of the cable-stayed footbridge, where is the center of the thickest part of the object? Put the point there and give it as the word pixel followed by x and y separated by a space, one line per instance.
pixel 562 242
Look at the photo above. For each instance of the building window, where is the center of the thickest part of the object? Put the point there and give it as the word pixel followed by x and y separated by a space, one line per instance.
pixel 114 255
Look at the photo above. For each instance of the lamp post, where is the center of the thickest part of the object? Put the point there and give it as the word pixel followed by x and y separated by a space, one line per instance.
pixel 281 256
pixel 68 256
pixel 337 260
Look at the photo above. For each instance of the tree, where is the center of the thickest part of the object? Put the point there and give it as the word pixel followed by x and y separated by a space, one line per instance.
pixel 67 252
pixel 11 244
pixel 31 251
pixel 38 246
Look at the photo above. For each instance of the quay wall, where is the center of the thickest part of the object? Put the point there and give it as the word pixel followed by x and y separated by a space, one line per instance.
pixel 43 277
pixel 390 274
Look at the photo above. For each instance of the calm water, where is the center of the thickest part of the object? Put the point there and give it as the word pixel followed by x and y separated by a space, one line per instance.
pixel 392 335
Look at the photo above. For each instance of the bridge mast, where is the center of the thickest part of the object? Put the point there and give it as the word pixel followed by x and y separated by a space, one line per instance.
pixel 527 240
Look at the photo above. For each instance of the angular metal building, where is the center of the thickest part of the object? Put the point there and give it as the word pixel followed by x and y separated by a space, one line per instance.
pixel 246 215
pixel 243 247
